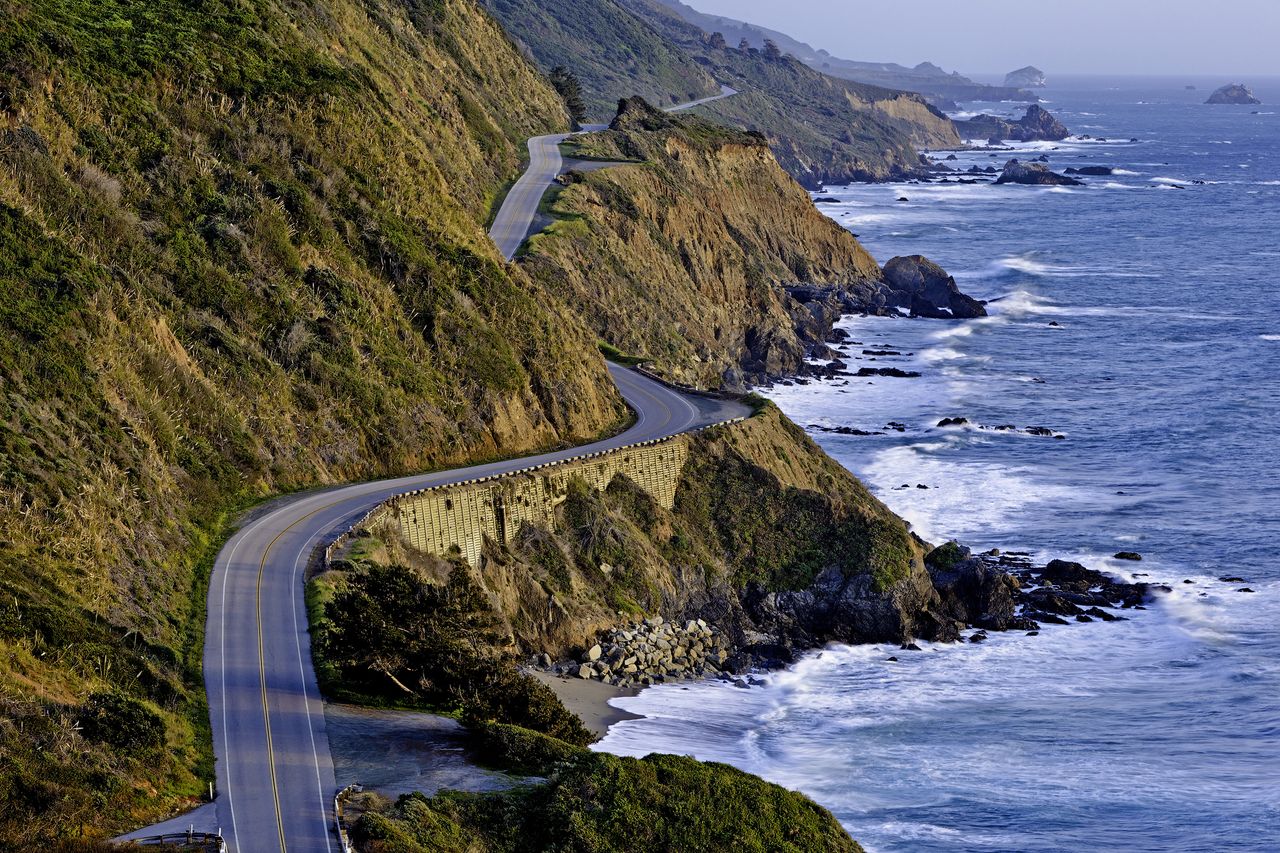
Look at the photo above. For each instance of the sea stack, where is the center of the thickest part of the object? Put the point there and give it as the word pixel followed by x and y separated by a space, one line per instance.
pixel 1233 93
pixel 1028 77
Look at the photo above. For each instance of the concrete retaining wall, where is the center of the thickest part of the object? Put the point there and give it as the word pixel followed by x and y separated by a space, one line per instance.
pixel 462 515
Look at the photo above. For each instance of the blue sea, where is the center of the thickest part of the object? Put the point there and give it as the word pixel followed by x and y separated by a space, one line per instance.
pixel 1139 316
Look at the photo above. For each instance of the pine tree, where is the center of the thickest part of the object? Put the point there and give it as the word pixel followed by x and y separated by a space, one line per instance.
pixel 566 83
pixel 771 51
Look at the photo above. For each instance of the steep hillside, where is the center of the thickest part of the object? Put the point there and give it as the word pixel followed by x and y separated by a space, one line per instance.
pixel 685 235
pixel 613 54
pixel 924 78
pixel 822 129
pixel 241 252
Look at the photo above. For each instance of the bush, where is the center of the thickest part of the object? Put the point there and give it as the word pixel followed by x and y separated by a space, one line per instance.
pixel 393 635
pixel 520 750
pixel 122 722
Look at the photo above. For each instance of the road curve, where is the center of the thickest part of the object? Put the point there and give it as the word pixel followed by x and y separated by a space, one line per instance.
pixel 275 779
pixel 274 771
pixel 515 217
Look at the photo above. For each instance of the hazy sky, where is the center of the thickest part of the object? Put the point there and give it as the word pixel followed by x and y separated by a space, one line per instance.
pixel 1230 38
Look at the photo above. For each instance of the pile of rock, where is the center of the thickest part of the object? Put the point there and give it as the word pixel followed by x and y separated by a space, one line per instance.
pixel 651 652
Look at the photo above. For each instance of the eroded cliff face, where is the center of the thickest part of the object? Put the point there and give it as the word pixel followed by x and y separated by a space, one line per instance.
pixel 679 258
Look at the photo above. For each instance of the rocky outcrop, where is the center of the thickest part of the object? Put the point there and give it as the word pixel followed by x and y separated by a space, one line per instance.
pixel 1233 93
pixel 1018 172
pixel 928 291
pixel 1037 125
pixel 1027 77
pixel 1096 171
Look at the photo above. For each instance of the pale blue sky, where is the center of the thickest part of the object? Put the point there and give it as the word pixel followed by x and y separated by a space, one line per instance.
pixel 1235 38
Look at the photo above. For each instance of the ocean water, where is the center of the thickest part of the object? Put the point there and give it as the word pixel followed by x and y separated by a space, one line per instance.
pixel 1160 733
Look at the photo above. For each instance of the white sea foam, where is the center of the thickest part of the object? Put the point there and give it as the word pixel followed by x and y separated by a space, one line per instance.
pixel 1124 172
pixel 1270 337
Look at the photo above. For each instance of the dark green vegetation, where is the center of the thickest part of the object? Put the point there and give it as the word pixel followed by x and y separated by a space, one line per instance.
pixel 570 89
pixel 390 635
pixel 241 252
pixel 614 54
pixel 597 803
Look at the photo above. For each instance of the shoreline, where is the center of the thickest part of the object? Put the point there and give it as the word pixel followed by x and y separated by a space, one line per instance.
pixel 589 699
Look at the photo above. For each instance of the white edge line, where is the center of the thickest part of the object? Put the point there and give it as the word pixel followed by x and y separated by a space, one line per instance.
pixel 306 700
pixel 222 662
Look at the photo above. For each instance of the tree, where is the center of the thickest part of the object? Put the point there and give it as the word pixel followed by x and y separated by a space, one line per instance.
pixel 716 41
pixel 771 51
pixel 570 89
pixel 743 44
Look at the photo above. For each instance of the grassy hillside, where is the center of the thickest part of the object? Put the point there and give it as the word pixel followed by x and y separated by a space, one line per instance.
pixel 685 234
pixel 241 252
pixel 613 54
pixel 822 129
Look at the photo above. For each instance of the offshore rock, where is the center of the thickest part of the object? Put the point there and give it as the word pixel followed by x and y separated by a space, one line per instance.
pixel 1233 93
pixel 1037 125
pixel 1017 172
pixel 1027 77
pixel 928 291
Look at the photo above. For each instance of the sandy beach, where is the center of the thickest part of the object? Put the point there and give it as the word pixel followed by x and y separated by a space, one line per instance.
pixel 589 699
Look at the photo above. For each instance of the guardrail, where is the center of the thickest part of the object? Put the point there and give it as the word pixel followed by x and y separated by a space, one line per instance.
pixel 211 842
pixel 340 818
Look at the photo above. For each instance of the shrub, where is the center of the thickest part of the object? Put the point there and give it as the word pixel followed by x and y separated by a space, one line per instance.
pixel 122 722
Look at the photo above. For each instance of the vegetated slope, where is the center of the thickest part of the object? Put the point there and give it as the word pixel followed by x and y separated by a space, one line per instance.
pixel 677 260
pixel 925 77
pixel 822 129
pixel 603 804
pixel 241 251
pixel 614 54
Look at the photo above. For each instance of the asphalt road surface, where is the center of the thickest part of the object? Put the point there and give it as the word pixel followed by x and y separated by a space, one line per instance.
pixel 275 780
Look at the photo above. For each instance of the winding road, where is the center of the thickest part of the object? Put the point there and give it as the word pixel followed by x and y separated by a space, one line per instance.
pixel 275 778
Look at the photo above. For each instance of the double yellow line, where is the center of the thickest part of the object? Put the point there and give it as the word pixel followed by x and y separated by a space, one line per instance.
pixel 262 669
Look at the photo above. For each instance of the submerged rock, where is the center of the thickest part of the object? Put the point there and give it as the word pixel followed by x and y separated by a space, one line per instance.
pixel 1233 93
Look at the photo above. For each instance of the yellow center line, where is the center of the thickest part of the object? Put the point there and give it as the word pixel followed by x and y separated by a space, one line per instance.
pixel 262 669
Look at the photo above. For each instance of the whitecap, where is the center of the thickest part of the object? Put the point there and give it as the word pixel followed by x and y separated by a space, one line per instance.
pixel 1270 337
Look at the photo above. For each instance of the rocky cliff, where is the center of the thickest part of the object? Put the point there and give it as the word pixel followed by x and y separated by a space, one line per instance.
pixel 699 233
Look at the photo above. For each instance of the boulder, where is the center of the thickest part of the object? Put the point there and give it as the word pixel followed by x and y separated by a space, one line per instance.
pixel 1233 93
pixel 924 287
pixel 1017 172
